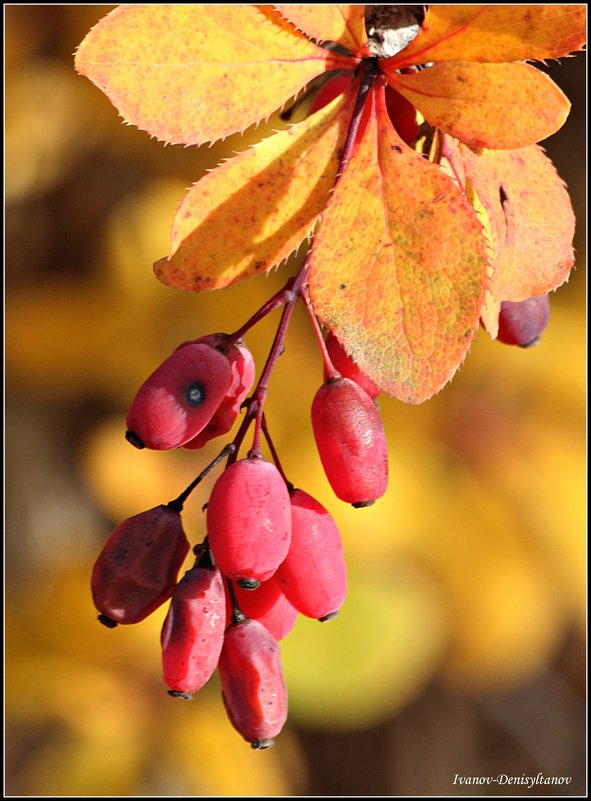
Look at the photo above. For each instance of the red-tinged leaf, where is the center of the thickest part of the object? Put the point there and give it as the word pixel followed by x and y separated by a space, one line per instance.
pixel 344 25
pixel 498 106
pixel 494 33
pixel 398 271
pixel 196 73
pixel 252 211
pixel 530 217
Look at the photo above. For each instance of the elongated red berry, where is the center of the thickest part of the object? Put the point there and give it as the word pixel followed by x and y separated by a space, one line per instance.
pixel 403 115
pixel 179 399
pixel 334 87
pixel 268 605
pixel 193 631
pixel 347 367
pixel 137 569
pixel 522 322
pixel 313 576
pixel 351 441
pixel 253 687
pixel 249 521
pixel 243 375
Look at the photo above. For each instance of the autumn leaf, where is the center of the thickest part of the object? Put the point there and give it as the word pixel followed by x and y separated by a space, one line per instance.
pixel 252 211
pixel 196 73
pixel 494 33
pixel 531 219
pixel 407 256
pixel 399 265
pixel 486 105
pixel 342 24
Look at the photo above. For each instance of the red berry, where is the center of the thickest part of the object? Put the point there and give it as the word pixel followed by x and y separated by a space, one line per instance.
pixel 268 605
pixel 351 441
pixel 314 575
pixel 137 569
pixel 193 631
pixel 522 322
pixel 334 87
pixel 402 115
pixel 179 399
pixel 249 521
pixel 253 687
pixel 347 367
pixel 243 375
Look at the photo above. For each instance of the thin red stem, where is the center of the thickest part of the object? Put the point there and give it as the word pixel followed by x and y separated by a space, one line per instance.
pixel 178 503
pixel 274 454
pixel 280 298
pixel 329 368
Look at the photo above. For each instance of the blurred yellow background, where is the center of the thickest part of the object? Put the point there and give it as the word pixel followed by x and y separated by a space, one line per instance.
pixel 461 646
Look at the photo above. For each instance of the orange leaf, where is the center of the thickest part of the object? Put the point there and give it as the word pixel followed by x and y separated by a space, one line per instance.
pixel 495 33
pixel 342 24
pixel 195 73
pixel 499 106
pixel 250 213
pixel 398 271
pixel 530 216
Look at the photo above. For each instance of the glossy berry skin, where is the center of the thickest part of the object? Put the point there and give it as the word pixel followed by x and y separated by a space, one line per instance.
pixel 521 323
pixel 253 687
pixel 268 605
pixel 242 378
pixel 402 115
pixel 137 569
pixel 334 87
pixel 313 576
pixel 249 521
pixel 351 441
pixel 193 631
pixel 347 367
pixel 179 399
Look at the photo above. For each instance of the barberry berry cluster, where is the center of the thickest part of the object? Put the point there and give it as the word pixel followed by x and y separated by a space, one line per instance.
pixel 271 551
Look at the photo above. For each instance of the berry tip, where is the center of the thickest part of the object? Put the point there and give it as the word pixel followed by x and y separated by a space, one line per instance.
pixel 330 616
pixel 362 504
pixel 134 440
pixel 179 694
pixel 260 745
pixel 106 621
pixel 248 584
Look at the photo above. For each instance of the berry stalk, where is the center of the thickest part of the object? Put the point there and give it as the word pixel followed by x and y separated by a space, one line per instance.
pixel 178 503
pixel 295 287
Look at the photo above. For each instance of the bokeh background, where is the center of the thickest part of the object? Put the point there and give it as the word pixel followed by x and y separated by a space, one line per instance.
pixel 461 646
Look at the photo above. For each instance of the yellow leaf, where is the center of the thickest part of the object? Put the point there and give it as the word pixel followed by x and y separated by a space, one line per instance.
pixel 195 73
pixel 499 106
pixel 342 24
pixel 495 33
pixel 399 266
pixel 251 212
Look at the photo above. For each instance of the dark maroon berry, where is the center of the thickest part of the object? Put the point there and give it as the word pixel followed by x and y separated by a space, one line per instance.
pixel 137 569
pixel 522 322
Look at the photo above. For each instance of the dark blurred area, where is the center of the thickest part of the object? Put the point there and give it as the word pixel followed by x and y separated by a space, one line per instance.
pixel 461 649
